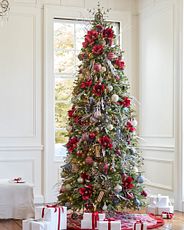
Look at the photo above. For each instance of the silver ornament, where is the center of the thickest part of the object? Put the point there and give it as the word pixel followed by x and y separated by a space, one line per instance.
pixel 110 88
pixel 134 122
pixel 104 207
pixel 110 127
pixel 80 180
pixel 114 97
pixel 118 188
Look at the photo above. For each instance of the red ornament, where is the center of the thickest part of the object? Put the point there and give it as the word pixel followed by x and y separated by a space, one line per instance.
pixel 97 67
pixel 86 192
pixel 92 135
pixel 86 84
pixel 130 127
pixel 106 142
pixel 119 64
pixel 97 49
pixel 127 181
pixel 71 112
pixel 89 160
pixel 110 55
pixel 98 89
pixel 144 193
pixel 125 102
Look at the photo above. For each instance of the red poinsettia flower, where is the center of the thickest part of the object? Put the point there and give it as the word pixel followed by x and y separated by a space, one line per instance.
pixel 119 64
pixel 106 142
pixel 98 89
pixel 125 102
pixel 90 38
pixel 130 126
pixel 72 144
pixel 108 33
pixel 71 112
pixel 92 135
pixel 86 192
pixel 86 84
pixel 97 49
pixel 85 177
pixel 127 182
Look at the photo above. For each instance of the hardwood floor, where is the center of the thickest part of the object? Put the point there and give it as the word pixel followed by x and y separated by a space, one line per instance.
pixel 177 223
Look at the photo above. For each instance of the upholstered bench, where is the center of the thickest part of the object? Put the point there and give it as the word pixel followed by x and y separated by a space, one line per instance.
pixel 16 200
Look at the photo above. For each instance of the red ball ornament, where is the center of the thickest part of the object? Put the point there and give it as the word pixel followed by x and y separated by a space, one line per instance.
pixel 97 67
pixel 89 160
pixel 110 55
pixel 144 193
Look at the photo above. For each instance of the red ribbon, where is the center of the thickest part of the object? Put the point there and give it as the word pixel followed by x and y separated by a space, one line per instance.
pixel 18 179
pixel 109 222
pixel 95 218
pixel 168 215
pixel 139 222
pixel 56 208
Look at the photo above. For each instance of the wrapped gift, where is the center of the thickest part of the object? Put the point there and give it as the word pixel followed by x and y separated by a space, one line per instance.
pixel 139 225
pixel 36 225
pixel 159 200
pixel 90 220
pixel 54 213
pixel 167 215
pixel 109 224
pixel 168 209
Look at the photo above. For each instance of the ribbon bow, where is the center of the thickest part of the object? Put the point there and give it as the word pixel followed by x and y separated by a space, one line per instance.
pixel 138 222
pixel 95 218
pixel 167 215
pixel 56 208
pixel 109 222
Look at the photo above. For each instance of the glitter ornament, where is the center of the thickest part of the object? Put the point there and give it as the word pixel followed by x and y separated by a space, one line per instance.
pixel 80 180
pixel 114 97
pixel 89 160
pixel 104 207
pixel 134 122
pixel 97 67
pixel 68 187
pixel 140 179
pixel 118 188
pixel 97 114
pixel 110 127
pixel 110 88
pixel 103 69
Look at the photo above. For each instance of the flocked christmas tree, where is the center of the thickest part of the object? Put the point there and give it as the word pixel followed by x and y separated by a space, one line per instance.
pixel 103 164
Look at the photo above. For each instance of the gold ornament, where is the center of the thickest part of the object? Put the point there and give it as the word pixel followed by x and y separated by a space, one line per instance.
pixel 100 196
pixel 97 150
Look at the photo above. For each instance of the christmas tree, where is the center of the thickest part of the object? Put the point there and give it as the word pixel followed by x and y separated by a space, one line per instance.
pixel 103 163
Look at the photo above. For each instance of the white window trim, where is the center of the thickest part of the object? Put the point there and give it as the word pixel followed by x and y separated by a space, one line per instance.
pixel 51 12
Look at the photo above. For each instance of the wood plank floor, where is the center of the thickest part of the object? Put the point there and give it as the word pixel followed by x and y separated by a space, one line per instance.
pixel 177 223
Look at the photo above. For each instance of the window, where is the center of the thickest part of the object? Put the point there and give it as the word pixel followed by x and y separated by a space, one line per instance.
pixel 68 38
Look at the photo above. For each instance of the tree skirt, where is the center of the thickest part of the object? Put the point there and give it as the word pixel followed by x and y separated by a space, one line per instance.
pixel 127 221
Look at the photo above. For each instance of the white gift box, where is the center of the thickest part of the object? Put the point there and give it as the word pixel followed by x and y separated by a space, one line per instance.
pixel 140 226
pixel 112 225
pixel 159 200
pixel 169 209
pixel 86 223
pixel 159 210
pixel 36 225
pixel 51 213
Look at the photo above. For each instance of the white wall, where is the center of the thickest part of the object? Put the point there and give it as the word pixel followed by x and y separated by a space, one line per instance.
pixel 22 147
pixel 159 75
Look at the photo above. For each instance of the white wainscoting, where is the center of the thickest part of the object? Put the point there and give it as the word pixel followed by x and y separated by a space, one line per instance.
pixel 159 62
pixel 20 97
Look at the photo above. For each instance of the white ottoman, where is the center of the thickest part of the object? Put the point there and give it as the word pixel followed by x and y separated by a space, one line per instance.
pixel 16 200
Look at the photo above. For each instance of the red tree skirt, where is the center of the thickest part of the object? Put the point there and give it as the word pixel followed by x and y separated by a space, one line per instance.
pixel 127 221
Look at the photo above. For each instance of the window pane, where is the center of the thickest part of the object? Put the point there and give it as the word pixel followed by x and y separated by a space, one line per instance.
pixel 63 36
pixel 81 30
pixel 60 137
pixel 64 62
pixel 63 89
pixel 61 114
